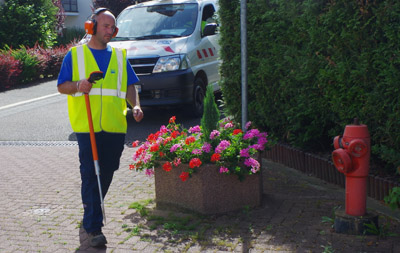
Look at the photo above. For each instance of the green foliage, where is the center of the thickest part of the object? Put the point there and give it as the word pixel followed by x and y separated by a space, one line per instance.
pixel 393 199
pixel 70 35
pixel 315 65
pixel 211 113
pixel 27 22
pixel 30 63
pixel 10 69
pixel 381 231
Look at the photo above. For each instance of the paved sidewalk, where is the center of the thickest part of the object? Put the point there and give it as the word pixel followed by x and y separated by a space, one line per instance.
pixel 41 210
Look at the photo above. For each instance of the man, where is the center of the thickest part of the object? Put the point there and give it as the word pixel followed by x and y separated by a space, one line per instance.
pixel 108 104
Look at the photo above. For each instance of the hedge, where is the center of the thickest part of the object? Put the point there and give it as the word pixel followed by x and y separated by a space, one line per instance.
pixel 313 66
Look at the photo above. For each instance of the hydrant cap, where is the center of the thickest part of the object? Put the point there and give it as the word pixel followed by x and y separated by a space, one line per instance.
pixel 356 131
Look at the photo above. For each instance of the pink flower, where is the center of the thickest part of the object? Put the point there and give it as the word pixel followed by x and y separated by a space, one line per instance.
pixel 251 134
pixel 197 151
pixel 224 144
pixel 244 152
pixel 228 125
pixel 149 172
pixel 253 163
pixel 177 161
pixel 163 129
pixel 174 147
pixel 206 147
pixel 195 129
pixel 223 169
pixel 214 133
pixel 248 124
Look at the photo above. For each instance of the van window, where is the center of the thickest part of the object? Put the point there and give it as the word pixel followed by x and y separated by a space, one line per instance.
pixel 158 21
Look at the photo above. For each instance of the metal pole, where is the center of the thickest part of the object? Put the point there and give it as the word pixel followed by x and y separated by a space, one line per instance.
pixel 243 38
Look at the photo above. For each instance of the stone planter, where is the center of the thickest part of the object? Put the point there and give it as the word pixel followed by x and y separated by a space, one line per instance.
pixel 207 191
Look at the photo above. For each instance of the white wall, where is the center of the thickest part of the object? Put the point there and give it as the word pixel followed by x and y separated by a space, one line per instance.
pixel 73 19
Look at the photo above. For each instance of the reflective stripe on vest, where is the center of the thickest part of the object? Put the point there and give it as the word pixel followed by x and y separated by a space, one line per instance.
pixel 107 96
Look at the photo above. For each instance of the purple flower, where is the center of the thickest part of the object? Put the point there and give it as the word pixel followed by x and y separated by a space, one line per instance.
pixel 262 140
pixel 224 144
pixel 257 146
pixel 248 124
pixel 253 163
pixel 228 125
pixel 223 169
pixel 214 133
pixel 197 152
pixel 244 152
pixel 149 172
pixel 195 129
pixel 174 147
pixel 206 147
pixel 251 134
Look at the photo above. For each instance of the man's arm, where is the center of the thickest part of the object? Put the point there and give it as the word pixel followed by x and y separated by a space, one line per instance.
pixel 133 99
pixel 69 87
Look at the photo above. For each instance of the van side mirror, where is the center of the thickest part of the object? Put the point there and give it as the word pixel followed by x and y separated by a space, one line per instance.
pixel 209 29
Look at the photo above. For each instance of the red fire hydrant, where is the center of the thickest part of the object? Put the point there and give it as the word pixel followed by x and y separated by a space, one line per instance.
pixel 351 157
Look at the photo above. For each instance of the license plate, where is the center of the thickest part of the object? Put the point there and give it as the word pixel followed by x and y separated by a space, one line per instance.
pixel 138 88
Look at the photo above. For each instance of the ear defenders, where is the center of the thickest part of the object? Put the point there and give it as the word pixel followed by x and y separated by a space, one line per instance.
pixel 91 25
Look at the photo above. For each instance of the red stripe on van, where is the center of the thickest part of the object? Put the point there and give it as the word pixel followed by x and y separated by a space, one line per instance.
pixel 168 49
pixel 199 54
pixel 205 53
pixel 211 51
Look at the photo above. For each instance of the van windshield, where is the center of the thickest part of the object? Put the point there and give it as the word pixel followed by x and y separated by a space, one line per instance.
pixel 157 21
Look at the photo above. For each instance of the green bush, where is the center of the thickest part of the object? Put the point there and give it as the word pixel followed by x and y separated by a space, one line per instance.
pixel 315 65
pixel 70 35
pixel 29 62
pixel 27 22
pixel 211 115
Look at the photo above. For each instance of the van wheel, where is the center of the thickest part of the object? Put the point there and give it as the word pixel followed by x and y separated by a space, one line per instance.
pixel 198 97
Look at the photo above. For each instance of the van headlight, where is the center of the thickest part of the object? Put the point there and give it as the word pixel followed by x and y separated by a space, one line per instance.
pixel 171 63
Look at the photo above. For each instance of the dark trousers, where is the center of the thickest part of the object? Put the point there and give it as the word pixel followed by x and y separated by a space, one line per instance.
pixel 109 149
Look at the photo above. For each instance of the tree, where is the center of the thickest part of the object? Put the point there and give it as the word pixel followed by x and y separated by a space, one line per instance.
pixel 27 22
pixel 115 6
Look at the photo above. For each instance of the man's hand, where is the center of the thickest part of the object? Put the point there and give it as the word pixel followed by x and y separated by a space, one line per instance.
pixel 85 86
pixel 137 113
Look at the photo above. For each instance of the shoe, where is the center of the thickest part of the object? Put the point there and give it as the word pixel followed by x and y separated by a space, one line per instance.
pixel 97 239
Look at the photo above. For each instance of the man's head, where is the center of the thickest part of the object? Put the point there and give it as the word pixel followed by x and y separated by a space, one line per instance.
pixel 101 26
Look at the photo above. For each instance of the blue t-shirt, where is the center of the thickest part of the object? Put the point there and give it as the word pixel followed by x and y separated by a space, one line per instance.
pixel 102 58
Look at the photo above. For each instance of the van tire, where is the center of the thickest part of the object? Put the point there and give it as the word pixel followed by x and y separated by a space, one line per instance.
pixel 198 97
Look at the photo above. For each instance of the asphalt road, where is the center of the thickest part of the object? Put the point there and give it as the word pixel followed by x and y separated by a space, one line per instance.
pixel 37 112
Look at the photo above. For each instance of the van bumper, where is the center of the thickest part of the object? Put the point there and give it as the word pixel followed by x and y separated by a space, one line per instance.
pixel 166 88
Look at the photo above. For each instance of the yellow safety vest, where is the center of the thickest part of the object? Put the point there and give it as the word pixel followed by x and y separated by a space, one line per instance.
pixel 107 96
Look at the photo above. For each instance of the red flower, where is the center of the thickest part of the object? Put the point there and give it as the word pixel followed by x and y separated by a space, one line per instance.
pixel 139 151
pixel 237 131
pixel 195 162
pixel 135 144
pixel 168 139
pixel 154 148
pixel 131 166
pixel 167 166
pixel 161 154
pixel 172 119
pixel 189 140
pixel 174 134
pixel 152 138
pixel 184 176
pixel 215 157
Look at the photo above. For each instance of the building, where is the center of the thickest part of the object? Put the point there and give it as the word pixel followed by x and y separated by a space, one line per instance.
pixel 77 12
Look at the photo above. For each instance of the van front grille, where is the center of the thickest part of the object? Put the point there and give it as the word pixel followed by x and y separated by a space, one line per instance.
pixel 143 66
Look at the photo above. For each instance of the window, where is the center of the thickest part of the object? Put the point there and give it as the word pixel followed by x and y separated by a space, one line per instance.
pixel 70 5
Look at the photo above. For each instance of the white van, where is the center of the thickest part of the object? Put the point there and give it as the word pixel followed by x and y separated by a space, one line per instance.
pixel 173 48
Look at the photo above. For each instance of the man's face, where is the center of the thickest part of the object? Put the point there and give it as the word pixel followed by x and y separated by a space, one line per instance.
pixel 105 27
